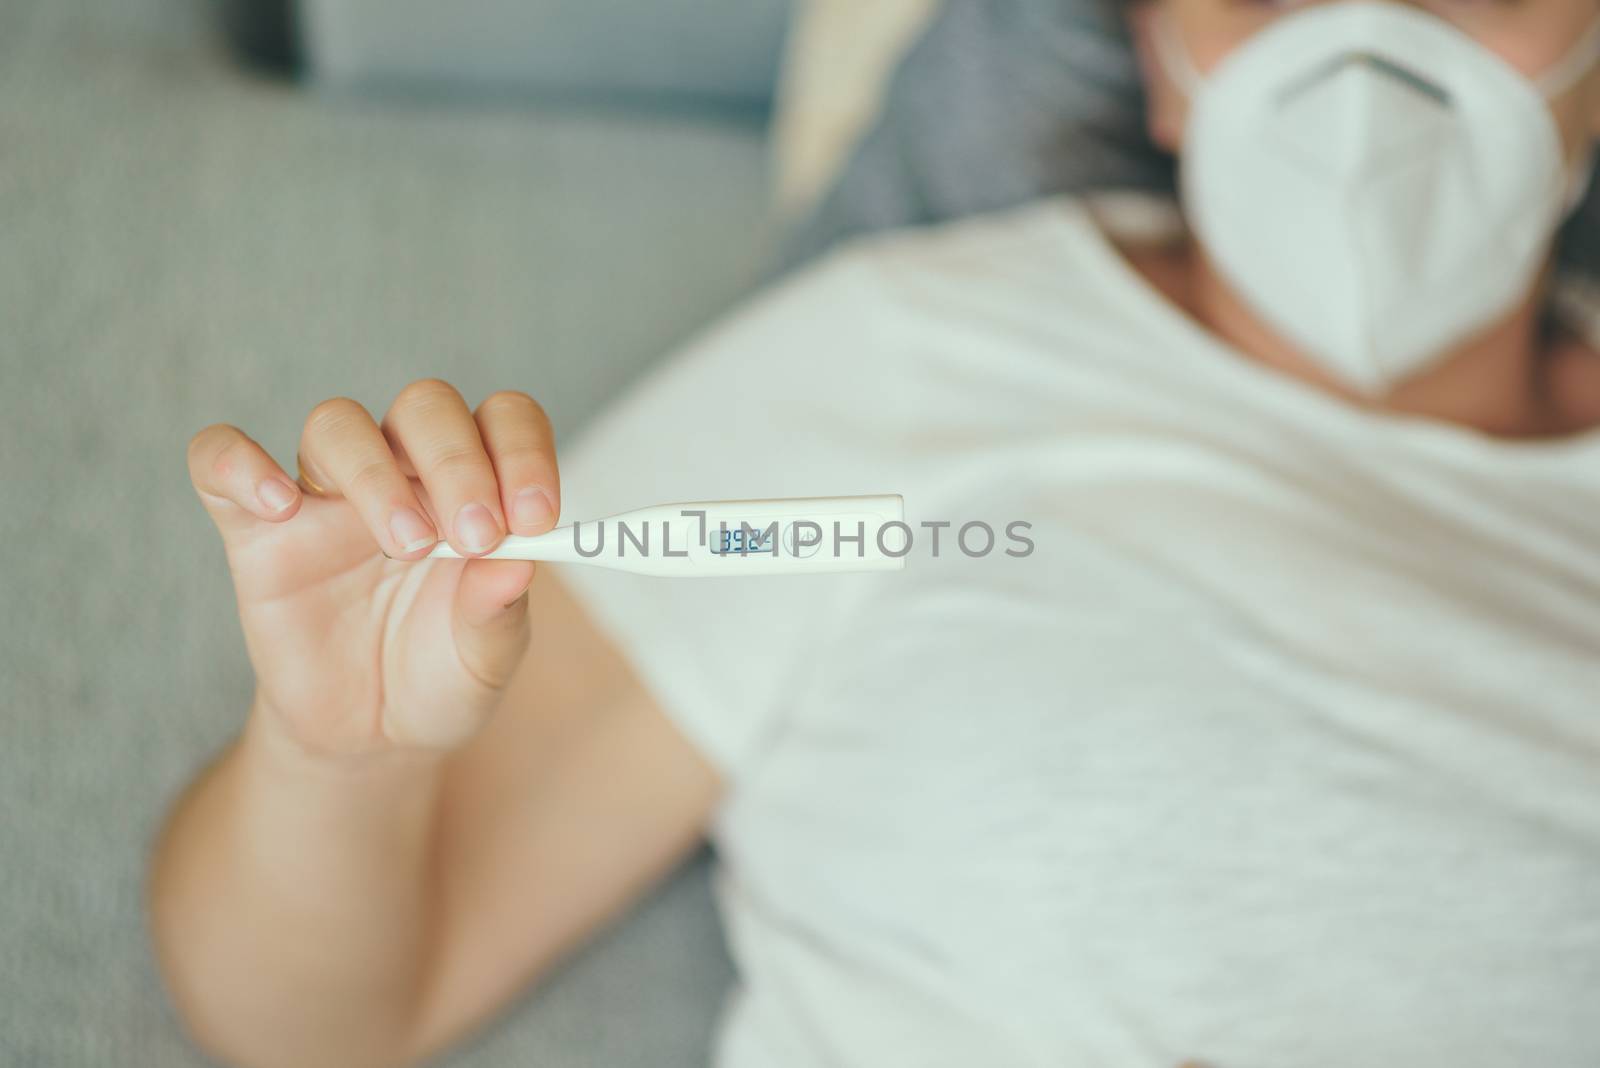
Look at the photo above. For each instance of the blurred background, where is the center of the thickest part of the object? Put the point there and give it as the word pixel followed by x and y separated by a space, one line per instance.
pixel 538 194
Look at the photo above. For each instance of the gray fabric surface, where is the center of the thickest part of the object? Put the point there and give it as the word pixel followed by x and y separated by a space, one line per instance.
pixel 1005 101
pixel 644 50
pixel 181 244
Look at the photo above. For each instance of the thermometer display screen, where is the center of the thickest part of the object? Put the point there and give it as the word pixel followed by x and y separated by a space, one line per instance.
pixel 742 540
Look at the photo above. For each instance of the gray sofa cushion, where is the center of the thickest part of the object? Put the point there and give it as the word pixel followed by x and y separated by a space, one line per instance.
pixel 182 245
pixel 642 50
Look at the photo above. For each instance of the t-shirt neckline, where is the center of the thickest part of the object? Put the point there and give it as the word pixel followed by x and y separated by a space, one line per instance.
pixel 1148 214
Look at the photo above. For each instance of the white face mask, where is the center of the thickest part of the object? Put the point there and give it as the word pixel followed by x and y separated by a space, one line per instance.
pixel 1374 183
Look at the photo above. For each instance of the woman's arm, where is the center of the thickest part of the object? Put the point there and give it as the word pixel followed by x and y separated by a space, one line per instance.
pixel 311 915
pixel 447 776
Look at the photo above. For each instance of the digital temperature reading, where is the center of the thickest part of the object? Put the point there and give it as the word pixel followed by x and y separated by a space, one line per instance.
pixel 743 540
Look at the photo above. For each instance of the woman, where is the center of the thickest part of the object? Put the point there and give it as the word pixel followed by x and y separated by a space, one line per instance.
pixel 1279 749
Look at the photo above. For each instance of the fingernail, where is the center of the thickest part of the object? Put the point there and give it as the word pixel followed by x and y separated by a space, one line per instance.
pixel 532 509
pixel 476 528
pixel 276 495
pixel 411 531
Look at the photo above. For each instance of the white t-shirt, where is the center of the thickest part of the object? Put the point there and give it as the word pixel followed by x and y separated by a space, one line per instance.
pixel 1280 749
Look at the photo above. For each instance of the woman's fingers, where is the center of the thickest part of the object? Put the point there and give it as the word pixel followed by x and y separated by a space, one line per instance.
pixel 343 452
pixel 483 473
pixel 432 427
pixel 516 435
pixel 237 480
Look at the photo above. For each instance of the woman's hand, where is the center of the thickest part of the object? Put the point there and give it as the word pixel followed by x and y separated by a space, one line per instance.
pixel 358 647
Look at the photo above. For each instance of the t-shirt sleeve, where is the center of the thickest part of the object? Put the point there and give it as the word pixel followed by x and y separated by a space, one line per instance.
pixel 784 399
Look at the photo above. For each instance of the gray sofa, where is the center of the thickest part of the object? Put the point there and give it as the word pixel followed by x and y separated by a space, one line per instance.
pixel 180 243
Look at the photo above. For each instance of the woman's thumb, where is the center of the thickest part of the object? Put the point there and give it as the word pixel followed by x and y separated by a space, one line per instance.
pixel 490 620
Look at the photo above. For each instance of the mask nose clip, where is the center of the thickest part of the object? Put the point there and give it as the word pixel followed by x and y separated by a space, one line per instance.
pixel 1359 114
pixel 1376 64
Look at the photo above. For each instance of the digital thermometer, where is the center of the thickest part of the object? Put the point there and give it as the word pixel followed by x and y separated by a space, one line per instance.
pixel 803 535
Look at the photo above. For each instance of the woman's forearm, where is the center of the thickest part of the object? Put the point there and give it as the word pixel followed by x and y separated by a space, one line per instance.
pixel 290 901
